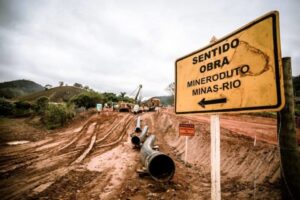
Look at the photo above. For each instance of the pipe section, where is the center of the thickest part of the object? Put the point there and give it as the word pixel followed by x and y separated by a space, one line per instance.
pixel 138 128
pixel 160 166
pixel 138 140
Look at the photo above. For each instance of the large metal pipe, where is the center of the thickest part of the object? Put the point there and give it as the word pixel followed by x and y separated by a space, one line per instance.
pixel 138 128
pixel 137 140
pixel 160 166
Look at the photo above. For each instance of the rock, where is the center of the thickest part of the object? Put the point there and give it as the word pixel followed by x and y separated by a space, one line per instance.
pixel 134 189
pixel 149 195
pixel 178 186
pixel 188 165
pixel 150 186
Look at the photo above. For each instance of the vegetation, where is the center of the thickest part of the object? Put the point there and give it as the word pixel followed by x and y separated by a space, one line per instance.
pixel 6 107
pixel 41 104
pixel 78 85
pixel 48 87
pixel 297 110
pixel 171 88
pixel 110 97
pixel 22 109
pixel 170 100
pixel 57 115
pixel 57 94
pixel 88 99
pixel 18 88
pixel 123 97
pixel 56 106
pixel 166 100
pixel 296 84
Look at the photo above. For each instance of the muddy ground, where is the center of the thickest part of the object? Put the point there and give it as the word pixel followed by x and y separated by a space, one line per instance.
pixel 94 159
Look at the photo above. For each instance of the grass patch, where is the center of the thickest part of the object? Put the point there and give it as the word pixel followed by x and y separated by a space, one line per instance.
pixel 12 129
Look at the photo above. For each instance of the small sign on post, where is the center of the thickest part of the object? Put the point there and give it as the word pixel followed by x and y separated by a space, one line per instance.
pixel 99 107
pixel 186 129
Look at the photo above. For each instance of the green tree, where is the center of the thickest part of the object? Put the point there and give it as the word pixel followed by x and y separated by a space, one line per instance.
pixel 57 115
pixel 6 107
pixel 78 85
pixel 22 109
pixel 41 104
pixel 88 99
pixel 110 97
pixel 86 87
pixel 48 86
pixel 122 95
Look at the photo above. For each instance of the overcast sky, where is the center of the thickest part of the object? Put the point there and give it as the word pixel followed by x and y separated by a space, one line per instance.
pixel 113 46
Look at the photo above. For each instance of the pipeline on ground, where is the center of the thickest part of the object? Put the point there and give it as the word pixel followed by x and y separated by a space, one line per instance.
pixel 138 128
pixel 137 140
pixel 159 166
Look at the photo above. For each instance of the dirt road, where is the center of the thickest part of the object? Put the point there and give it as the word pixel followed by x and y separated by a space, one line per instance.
pixel 95 160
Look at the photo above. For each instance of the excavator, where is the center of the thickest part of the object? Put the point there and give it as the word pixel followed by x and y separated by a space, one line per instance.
pixel 138 107
pixel 127 107
pixel 137 100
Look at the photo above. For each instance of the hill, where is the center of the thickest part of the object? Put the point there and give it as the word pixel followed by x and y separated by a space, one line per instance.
pixel 18 88
pixel 57 94
pixel 166 100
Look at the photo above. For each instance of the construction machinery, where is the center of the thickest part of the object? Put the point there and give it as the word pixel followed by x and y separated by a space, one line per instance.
pixel 124 106
pixel 127 107
pixel 137 100
pixel 152 103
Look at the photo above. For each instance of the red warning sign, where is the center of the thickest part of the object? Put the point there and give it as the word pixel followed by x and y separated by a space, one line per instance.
pixel 186 129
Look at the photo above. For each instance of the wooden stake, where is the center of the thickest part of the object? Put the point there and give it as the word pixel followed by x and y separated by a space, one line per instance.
pixel 186 148
pixel 215 157
pixel 289 154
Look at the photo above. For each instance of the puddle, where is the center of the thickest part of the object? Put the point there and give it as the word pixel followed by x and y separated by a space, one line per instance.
pixel 17 142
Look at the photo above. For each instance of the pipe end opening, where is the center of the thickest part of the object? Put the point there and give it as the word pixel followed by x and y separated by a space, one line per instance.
pixel 162 168
pixel 135 140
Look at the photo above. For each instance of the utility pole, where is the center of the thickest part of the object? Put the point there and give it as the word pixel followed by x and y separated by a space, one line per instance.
pixel 289 154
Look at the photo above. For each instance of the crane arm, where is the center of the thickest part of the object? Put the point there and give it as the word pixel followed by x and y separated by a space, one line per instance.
pixel 138 92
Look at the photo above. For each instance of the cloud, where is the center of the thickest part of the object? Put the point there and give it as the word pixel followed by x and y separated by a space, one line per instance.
pixel 117 45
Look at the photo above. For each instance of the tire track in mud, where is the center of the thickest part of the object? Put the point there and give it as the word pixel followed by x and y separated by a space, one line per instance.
pixel 48 159
pixel 114 134
pixel 51 147
pixel 37 153
pixel 34 173
pixel 109 136
pixel 108 139
pixel 106 163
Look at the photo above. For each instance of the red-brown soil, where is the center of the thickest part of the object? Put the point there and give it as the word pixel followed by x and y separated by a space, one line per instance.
pixel 95 159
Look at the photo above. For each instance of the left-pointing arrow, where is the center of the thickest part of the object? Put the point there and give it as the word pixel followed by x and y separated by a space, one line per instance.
pixel 204 102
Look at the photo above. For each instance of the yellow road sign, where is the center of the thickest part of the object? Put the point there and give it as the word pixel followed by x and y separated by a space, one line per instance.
pixel 241 72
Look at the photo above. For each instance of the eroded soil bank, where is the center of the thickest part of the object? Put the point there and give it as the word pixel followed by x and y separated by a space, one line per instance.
pixel 94 159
